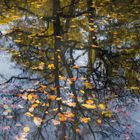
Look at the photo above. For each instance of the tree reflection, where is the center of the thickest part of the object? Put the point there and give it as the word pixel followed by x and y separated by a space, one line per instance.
pixel 84 85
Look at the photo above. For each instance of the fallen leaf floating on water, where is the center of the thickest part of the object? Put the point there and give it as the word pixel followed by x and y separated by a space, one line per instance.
pixel 41 65
pixel 107 114
pixel 29 114
pixel 89 102
pixel 85 119
pixel 37 121
pixel 62 117
pixel 89 106
pixel 77 130
pixel 88 85
pixel 99 121
pixel 102 106
pixel 51 66
pixel 26 129
pixel 52 97
pixel 82 91
pixel 30 97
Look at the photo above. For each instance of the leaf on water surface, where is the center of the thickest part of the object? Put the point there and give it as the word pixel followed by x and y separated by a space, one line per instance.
pixel 62 77
pixel 107 114
pixel 52 97
pixel 99 121
pixel 37 121
pixel 85 119
pixel 88 106
pixel 82 91
pixel 102 106
pixel 77 130
pixel 30 97
pixel 29 114
pixel 26 129
pixel 62 117
pixel 69 114
pixel 31 109
pixel 88 85
pixel 41 65
pixel 34 105
pixel 89 102
pixel 51 66
pixel 71 104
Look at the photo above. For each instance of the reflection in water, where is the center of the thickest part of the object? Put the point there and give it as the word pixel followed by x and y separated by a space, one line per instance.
pixel 79 76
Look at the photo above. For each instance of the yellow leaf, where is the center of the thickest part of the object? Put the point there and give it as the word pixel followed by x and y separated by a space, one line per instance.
pixel 99 121
pixel 107 114
pixel 89 106
pixel 58 98
pixel 26 129
pixel 29 114
pixel 69 114
pixel 102 106
pixel 51 66
pixel 134 88
pixel 34 105
pixel 82 91
pixel 88 85
pixel 29 97
pixel 37 101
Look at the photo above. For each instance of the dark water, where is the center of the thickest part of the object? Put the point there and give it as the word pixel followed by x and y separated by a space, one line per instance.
pixel 79 83
pixel 14 117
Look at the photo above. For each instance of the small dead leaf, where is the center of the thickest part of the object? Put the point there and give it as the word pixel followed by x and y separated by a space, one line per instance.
pixel 102 106
pixel 89 106
pixel 85 119
pixel 26 129
pixel 52 97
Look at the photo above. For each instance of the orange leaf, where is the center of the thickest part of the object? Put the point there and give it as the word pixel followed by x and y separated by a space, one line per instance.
pixel 75 67
pixel 62 117
pixel 85 119
pixel 52 97
pixel 89 102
